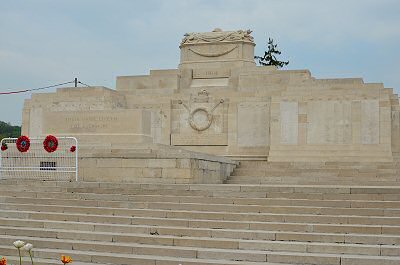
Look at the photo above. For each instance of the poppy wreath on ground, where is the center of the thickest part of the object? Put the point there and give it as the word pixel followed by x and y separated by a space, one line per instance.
pixel 23 143
pixel 4 147
pixel 50 143
pixel 72 149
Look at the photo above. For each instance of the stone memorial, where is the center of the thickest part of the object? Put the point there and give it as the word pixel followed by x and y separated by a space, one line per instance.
pixel 219 107
pixel 310 167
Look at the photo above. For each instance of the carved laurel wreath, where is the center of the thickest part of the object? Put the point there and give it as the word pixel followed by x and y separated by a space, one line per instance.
pixel 192 123
pixel 209 115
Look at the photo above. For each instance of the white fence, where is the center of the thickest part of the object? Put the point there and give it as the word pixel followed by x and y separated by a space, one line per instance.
pixel 37 163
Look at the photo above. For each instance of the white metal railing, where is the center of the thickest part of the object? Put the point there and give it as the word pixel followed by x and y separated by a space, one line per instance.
pixel 37 163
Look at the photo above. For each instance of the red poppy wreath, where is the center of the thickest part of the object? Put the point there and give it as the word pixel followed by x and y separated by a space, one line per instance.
pixel 72 149
pixel 23 143
pixel 50 143
pixel 4 147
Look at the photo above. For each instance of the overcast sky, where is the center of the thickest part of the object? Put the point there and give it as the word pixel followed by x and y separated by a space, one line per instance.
pixel 47 42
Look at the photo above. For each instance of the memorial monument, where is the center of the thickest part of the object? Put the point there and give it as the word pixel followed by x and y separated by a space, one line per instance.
pixel 317 149
pixel 218 102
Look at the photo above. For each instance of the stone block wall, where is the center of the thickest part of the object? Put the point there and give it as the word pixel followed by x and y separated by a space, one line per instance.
pixel 154 166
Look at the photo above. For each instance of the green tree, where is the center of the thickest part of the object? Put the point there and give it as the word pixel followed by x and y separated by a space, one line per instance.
pixel 8 130
pixel 269 57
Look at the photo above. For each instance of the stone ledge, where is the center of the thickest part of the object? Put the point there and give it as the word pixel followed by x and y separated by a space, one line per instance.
pixel 152 163
pixel 149 150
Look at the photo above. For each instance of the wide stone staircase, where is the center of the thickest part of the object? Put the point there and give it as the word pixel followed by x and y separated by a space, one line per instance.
pixel 317 173
pixel 110 223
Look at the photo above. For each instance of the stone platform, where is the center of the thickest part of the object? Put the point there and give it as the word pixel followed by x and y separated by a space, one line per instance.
pixel 160 224
pixel 316 173
pixel 152 163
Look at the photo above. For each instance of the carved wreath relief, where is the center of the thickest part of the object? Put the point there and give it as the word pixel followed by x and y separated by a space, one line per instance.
pixel 200 119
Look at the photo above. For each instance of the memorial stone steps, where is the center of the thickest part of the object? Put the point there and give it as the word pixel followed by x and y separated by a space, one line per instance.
pixel 111 223
pixel 316 173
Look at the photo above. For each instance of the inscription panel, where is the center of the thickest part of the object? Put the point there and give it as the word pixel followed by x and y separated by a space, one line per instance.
pixel 289 122
pixel 210 73
pixel 253 124
pixel 199 139
pixel 329 122
pixel 107 121
pixel 370 122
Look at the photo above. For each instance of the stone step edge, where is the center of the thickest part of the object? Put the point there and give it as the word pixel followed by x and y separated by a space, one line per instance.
pixel 212 211
pixel 74 211
pixel 299 255
pixel 27 260
pixel 123 244
pixel 194 248
pixel 154 229
pixel 113 185
pixel 215 221
pixel 220 221
pixel 235 201
pixel 239 188
pixel 275 179
pixel 324 178
pixel 275 187
pixel 191 187
pixel 40 261
pixel 82 195
pixel 99 255
pixel 157 206
pixel 298 188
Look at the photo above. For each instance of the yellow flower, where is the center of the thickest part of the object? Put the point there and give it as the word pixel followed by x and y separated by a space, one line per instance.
pixel 66 259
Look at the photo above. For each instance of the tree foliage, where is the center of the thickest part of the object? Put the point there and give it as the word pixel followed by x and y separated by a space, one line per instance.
pixel 269 57
pixel 8 130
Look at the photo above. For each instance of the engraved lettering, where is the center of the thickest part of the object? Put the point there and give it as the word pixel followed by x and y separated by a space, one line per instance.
pixel 212 73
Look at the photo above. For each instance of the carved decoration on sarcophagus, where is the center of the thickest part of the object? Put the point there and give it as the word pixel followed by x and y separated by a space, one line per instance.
pixel 217 35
